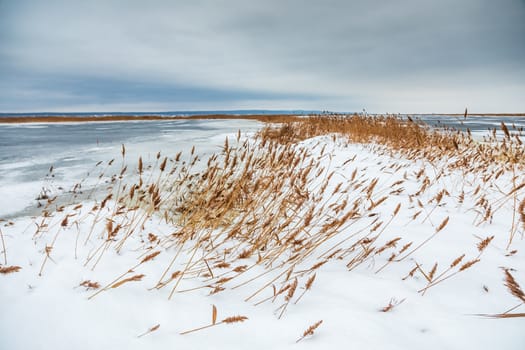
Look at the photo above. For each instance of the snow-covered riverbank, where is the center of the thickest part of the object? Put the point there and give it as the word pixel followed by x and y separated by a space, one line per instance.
pixel 373 230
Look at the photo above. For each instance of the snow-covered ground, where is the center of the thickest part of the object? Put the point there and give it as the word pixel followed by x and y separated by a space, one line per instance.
pixel 43 306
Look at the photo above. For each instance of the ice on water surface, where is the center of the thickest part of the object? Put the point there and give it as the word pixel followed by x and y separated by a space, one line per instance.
pixel 27 151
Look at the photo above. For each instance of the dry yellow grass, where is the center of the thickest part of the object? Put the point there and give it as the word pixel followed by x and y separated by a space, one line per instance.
pixel 310 331
pixel 411 137
pixel 269 205
pixel 5 270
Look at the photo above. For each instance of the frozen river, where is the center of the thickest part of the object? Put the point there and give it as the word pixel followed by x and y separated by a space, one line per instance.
pixel 479 125
pixel 27 151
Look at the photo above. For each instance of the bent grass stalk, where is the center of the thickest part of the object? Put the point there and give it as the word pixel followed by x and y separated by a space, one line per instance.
pixel 227 320
pixel 4 249
pixel 310 331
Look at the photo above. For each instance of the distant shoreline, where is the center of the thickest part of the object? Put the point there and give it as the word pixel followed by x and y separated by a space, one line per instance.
pixel 265 118
pixel 475 114
pixel 121 118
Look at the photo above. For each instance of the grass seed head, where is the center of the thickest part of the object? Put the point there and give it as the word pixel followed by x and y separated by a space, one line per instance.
pixel 484 243
pixel 234 319
pixel 468 264
pixel 135 278
pixel 310 330
pixel 442 225
pixel 9 269
pixel 513 286
pixel 150 257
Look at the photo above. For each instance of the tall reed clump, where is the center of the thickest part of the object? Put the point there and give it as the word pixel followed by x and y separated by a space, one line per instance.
pixel 407 135
pixel 259 205
pixel 269 212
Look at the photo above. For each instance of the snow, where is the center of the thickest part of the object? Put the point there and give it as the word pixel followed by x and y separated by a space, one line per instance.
pixel 53 312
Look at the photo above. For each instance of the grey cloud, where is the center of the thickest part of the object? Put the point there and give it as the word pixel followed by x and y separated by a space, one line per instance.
pixel 392 38
pixel 337 54
pixel 83 90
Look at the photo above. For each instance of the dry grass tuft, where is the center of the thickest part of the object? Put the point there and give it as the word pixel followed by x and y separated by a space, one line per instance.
pixel 442 225
pixel 514 289
pixel 407 136
pixel 214 315
pixel 521 210
pixel 134 278
pixel 282 208
pixel 234 319
pixel 9 269
pixel 468 264
pixel 484 243
pixel 90 285
pixel 513 286
pixel 150 257
pixel 391 304
pixel 310 330
pixel 227 320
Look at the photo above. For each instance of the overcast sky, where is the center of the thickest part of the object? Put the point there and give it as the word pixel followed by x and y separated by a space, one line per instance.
pixel 408 56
